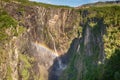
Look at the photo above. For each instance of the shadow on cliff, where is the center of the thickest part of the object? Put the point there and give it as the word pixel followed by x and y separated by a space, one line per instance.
pixel 112 67
pixel 60 63
pixel 93 51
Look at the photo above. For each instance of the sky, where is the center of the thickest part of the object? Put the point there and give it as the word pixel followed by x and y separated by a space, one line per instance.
pixel 73 3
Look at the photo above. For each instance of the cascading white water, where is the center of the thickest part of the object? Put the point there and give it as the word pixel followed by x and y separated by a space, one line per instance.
pixel 47 52
pixel 61 65
pixel 50 58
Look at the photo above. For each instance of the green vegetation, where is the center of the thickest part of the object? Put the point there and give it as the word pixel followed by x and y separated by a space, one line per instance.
pixel 26 62
pixel 110 15
pixel 6 25
pixel 25 59
pixel 5 22
pixel 103 23
pixel 25 74
pixel 112 68
pixel 101 4
pixel 9 28
pixel 3 57
pixel 9 71
pixel 71 71
pixel 92 24
pixel 111 40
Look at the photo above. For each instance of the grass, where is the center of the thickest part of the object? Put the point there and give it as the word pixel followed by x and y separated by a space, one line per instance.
pixel 26 60
pixel 9 71
pixel 25 74
pixel 26 66
pixel 6 22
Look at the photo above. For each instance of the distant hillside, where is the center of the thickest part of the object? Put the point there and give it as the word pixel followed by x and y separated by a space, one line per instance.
pixel 100 4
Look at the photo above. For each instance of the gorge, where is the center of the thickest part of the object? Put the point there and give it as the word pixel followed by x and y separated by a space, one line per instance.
pixel 47 42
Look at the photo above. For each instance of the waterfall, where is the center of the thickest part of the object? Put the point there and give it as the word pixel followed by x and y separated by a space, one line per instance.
pixel 61 66
pixel 47 52
pixel 53 42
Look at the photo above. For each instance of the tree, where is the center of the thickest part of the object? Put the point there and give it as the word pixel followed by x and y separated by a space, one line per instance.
pixel 112 68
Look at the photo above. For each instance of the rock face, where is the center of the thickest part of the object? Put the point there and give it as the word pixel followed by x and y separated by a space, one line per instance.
pixel 87 61
pixel 50 26
pixel 52 43
pixel 87 53
pixel 48 34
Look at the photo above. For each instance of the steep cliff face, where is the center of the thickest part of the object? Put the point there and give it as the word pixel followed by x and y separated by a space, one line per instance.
pixel 48 34
pixel 88 53
pixel 54 27
pixel 92 51
pixel 35 41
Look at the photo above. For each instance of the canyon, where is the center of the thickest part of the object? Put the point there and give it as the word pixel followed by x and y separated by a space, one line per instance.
pixel 47 42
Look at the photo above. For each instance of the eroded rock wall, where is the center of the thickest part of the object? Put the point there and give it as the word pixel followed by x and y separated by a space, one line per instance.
pixel 48 34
